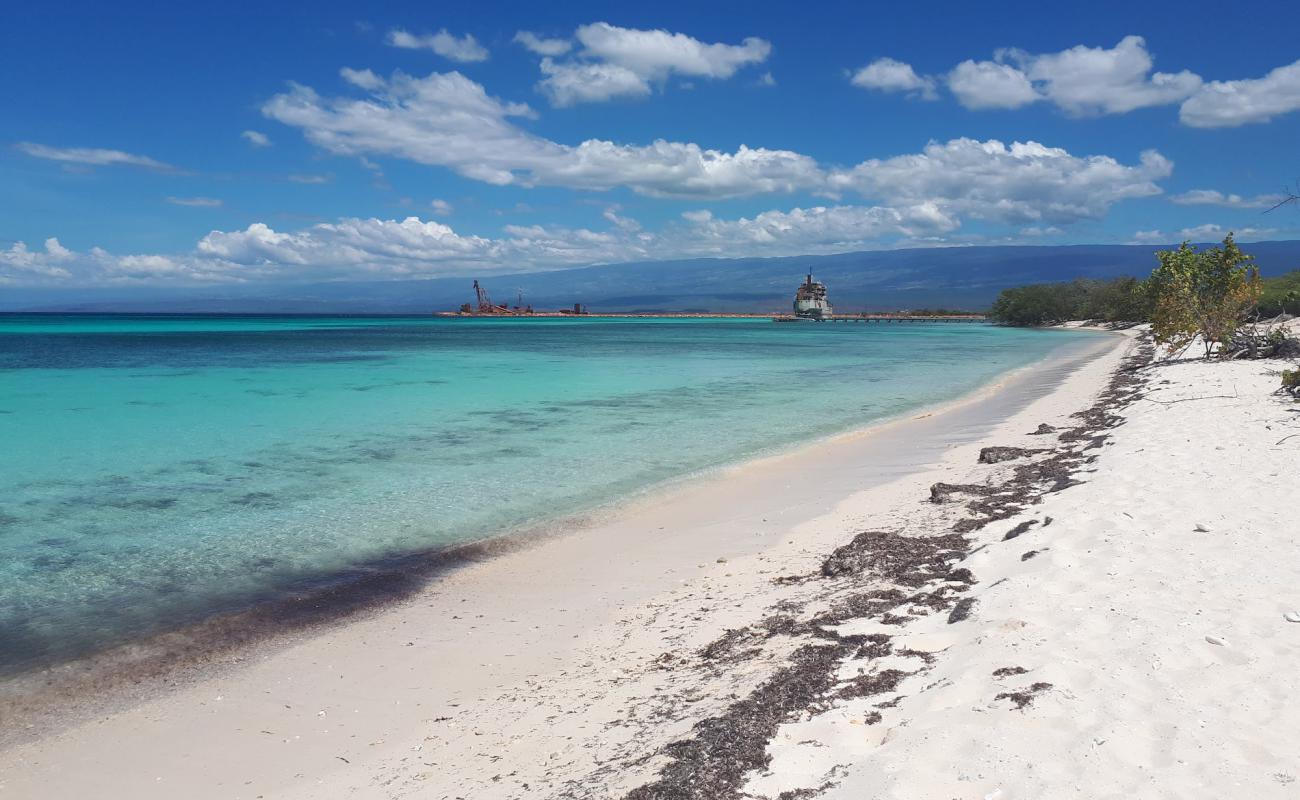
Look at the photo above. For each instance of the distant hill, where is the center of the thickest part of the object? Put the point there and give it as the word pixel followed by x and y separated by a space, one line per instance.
pixel 953 277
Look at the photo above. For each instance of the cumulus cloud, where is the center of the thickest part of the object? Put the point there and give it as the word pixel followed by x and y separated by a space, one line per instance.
pixel 1020 183
pixel 449 120
pixel 890 75
pixel 1095 80
pixel 1227 104
pixel 981 85
pixel 464 49
pixel 1212 232
pixel 354 247
pixel 541 46
pixel 256 138
pixel 91 156
pixel 18 261
pixel 1081 80
pixel 572 82
pixel 1209 232
pixel 361 78
pixel 1149 237
pixel 196 202
pixel 441 207
pixel 628 62
pixel 1213 197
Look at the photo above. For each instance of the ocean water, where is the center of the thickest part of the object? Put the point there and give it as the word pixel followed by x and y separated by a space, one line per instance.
pixel 155 470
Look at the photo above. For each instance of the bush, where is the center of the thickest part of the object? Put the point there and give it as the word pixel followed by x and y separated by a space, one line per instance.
pixel 1291 382
pixel 1117 300
pixel 1280 295
pixel 1205 293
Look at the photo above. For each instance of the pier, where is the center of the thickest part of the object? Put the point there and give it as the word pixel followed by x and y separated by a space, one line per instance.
pixel 866 317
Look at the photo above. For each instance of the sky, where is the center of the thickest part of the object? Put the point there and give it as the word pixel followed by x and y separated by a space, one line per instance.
pixel 197 143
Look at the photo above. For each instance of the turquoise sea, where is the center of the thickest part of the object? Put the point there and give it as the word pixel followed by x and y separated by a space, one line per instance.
pixel 157 469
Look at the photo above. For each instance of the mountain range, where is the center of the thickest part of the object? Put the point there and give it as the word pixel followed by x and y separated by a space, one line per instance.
pixel 952 277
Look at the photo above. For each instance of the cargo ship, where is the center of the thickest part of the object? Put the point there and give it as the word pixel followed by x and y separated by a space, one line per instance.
pixel 810 301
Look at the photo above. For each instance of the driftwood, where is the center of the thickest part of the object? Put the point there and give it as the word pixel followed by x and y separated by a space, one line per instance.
pixel 1252 342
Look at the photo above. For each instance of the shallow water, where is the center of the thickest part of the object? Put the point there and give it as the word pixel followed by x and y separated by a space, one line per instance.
pixel 154 470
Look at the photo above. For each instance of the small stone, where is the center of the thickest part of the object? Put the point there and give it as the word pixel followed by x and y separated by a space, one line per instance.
pixel 1201 528
pixel 1216 641
pixel 722 560
pixel 1291 616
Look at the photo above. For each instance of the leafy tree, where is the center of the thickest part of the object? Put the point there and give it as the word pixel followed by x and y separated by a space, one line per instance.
pixel 1280 295
pixel 1206 293
pixel 1117 300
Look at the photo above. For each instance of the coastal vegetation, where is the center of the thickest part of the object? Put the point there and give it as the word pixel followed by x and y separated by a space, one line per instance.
pixel 1208 295
pixel 1117 300
pixel 1205 294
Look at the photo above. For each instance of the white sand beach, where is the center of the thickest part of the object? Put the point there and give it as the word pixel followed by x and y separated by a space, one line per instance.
pixel 1097 614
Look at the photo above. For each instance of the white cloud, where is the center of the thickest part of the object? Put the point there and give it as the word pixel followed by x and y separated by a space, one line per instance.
pixel 571 82
pixel 1227 104
pixel 1211 232
pixel 256 138
pixel 1149 237
pixel 464 49
pixel 361 78
pixel 91 156
pixel 699 215
pixel 441 207
pixel 986 84
pixel 541 46
pixel 1095 80
pixel 449 120
pixel 309 179
pixel 197 202
pixel 627 62
pixel 809 230
pixel 626 224
pixel 359 248
pixel 655 54
pixel 766 79
pixel 1212 197
pixel 18 261
pixel 1020 183
pixel 890 75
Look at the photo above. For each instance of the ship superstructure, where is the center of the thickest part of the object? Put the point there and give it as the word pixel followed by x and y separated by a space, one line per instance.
pixel 810 301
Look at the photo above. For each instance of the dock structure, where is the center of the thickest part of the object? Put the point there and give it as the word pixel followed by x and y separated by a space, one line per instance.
pixel 865 317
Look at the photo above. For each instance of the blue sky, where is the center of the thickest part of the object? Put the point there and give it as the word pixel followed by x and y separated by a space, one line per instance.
pixel 158 143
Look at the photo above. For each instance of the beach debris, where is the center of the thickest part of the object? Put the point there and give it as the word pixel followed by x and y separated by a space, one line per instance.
pixel 1003 672
pixel 962 610
pixel 906 560
pixel 942 492
pixel 1019 529
pixel 1201 528
pixel 1029 554
pixel 1024 697
pixel 1217 640
pixel 1043 428
pixel 996 455
pixel 1291 616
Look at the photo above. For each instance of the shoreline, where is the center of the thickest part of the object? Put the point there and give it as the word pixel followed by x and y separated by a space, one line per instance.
pixel 962 416
pixel 326 600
